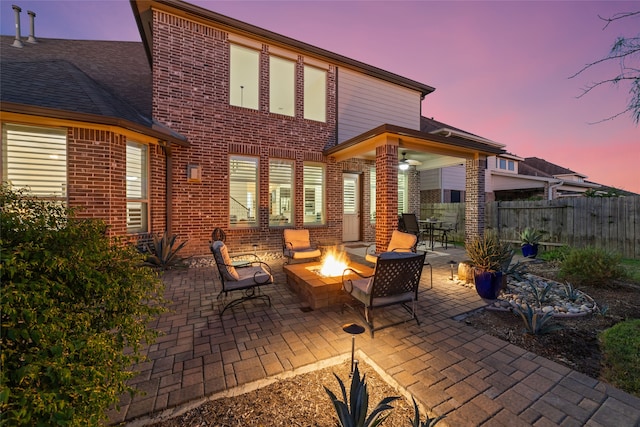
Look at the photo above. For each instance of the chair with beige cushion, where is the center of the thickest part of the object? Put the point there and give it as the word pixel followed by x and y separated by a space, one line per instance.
pixel 296 245
pixel 395 280
pixel 400 242
pixel 248 276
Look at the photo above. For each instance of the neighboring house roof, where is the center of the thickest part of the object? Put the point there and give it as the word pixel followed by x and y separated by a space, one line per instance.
pixel 95 81
pixel 539 167
pixel 141 11
pixel 432 126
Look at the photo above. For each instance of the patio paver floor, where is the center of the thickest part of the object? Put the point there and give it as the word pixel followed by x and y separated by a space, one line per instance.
pixel 447 365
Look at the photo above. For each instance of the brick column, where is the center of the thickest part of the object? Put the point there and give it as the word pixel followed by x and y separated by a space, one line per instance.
pixel 474 198
pixel 413 190
pixel 386 193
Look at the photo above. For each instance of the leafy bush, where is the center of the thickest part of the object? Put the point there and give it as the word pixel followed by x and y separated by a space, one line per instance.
pixel 75 310
pixel 591 266
pixel 354 413
pixel 558 254
pixel 621 349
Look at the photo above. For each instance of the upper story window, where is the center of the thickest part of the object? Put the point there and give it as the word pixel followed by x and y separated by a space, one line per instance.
pixel 243 191
pixel 314 205
pixel 244 81
pixel 282 73
pixel 137 188
pixel 35 158
pixel 280 192
pixel 315 94
pixel 505 164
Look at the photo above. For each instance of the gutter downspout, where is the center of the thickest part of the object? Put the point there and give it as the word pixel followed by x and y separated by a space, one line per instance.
pixel 169 188
pixel 553 187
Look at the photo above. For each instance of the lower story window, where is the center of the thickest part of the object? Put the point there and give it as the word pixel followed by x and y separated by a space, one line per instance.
pixel 137 188
pixel 280 192
pixel 35 158
pixel 314 201
pixel 243 191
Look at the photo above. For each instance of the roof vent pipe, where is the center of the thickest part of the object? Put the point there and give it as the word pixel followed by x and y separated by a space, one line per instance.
pixel 17 42
pixel 32 27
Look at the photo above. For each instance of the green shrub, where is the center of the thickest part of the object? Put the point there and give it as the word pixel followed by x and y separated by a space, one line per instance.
pixel 556 254
pixel 591 266
pixel 75 310
pixel 621 350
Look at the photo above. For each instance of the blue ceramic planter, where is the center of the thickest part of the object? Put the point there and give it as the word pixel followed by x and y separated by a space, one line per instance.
pixel 488 284
pixel 529 251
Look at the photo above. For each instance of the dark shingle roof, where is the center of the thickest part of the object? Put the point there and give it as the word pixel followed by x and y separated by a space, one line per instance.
pixel 535 166
pixel 98 79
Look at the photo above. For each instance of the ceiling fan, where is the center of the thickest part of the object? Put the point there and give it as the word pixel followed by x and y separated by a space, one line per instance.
pixel 405 163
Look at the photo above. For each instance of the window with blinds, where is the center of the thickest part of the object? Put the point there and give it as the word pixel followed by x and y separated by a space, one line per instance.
pixel 314 205
pixel 35 158
pixel 402 194
pixel 137 188
pixel 243 191
pixel 372 191
pixel 280 192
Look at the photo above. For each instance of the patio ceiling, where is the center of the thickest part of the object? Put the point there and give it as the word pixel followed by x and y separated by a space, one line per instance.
pixel 431 150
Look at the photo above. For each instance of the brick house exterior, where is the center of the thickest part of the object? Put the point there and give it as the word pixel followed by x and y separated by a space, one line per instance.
pixel 171 94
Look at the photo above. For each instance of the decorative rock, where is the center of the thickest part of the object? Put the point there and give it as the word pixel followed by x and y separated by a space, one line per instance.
pixel 547 309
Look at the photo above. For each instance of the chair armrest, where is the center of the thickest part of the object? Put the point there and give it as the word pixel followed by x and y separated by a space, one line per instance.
pixel 266 268
pixel 347 272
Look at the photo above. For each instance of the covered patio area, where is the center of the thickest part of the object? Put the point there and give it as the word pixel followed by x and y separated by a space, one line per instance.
pixel 448 366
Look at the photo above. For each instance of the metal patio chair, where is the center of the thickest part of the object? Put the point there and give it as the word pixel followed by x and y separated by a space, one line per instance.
pixel 247 277
pixel 395 280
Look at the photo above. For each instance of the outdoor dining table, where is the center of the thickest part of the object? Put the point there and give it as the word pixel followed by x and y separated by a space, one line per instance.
pixel 429 226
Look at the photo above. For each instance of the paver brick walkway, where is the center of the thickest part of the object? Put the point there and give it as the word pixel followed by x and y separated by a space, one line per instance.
pixel 446 365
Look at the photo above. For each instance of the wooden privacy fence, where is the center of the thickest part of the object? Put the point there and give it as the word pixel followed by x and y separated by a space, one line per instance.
pixel 611 223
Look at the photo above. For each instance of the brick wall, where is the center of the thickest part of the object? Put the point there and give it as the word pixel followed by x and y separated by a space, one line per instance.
pixel 190 94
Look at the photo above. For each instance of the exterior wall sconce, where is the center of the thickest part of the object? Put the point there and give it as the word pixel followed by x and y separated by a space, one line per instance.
pixel 194 173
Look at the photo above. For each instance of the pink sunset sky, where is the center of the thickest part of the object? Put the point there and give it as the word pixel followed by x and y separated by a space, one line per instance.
pixel 501 69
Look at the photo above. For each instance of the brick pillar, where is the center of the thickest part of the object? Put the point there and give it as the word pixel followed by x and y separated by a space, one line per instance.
pixel 386 194
pixel 413 189
pixel 474 198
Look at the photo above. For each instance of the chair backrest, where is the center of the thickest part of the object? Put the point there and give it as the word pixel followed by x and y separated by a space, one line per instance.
pixel 411 223
pixel 223 262
pixel 450 220
pixel 296 239
pixel 397 273
pixel 402 242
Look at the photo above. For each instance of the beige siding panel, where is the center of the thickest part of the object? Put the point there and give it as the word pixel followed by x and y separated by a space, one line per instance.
pixel 365 102
pixel 430 179
pixel 453 178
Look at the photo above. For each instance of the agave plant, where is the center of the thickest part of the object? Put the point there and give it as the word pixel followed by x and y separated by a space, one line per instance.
pixel 164 253
pixel 531 236
pixel 537 323
pixel 354 413
pixel 488 253
pixel 428 422
pixel 570 292
pixel 540 295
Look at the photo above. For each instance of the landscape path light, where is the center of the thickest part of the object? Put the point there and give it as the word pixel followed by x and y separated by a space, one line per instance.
pixel 353 329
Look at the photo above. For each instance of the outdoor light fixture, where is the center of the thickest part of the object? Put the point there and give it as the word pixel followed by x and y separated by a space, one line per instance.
pixel 451 264
pixel 353 329
pixel 404 163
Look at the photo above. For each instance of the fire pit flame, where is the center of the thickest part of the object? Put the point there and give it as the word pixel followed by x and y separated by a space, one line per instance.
pixel 333 264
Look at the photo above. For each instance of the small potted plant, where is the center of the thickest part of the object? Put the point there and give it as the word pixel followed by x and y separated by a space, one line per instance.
pixel 529 240
pixel 488 256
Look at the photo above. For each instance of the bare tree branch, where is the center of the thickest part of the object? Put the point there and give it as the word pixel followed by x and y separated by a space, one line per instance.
pixel 626 51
